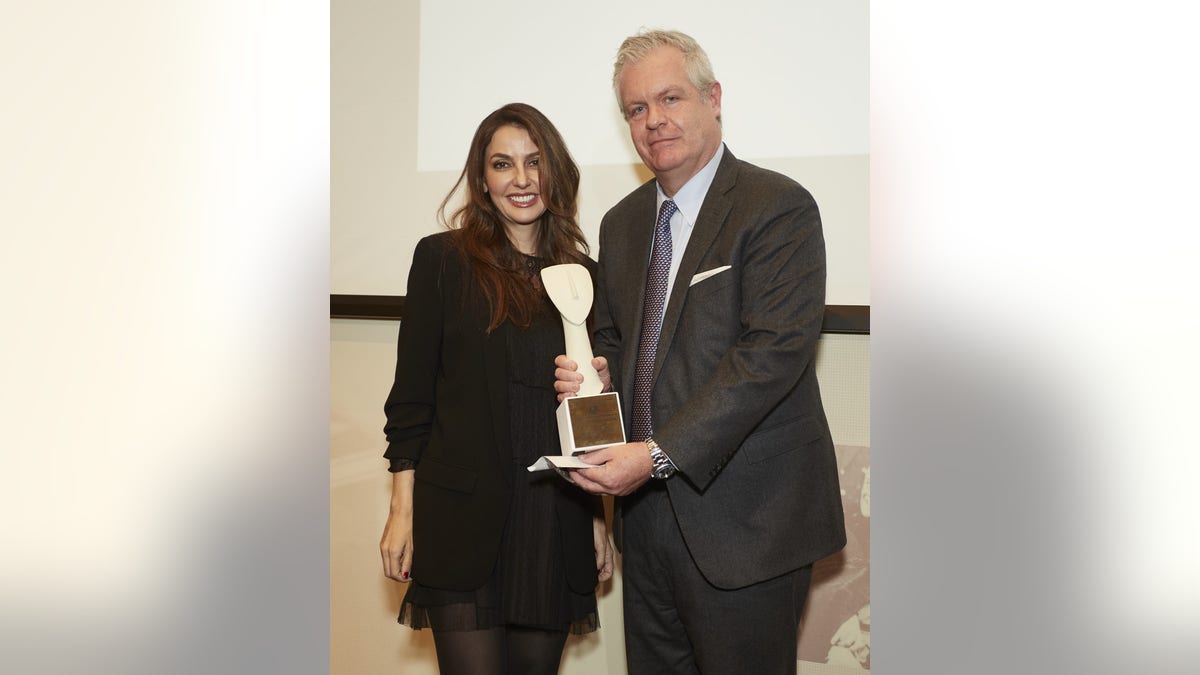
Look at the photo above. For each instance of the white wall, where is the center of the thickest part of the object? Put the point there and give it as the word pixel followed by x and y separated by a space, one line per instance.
pixel 409 86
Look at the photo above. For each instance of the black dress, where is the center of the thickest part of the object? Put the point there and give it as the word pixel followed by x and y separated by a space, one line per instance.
pixel 528 587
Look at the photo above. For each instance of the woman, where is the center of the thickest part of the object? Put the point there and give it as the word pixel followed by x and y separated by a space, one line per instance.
pixel 503 562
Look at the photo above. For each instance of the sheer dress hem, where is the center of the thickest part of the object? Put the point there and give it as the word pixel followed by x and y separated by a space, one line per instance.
pixel 467 616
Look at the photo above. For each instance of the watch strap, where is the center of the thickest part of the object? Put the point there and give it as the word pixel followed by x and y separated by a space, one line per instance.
pixel 663 466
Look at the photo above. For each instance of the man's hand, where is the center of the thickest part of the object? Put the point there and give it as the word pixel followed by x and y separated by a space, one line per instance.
pixel 625 468
pixel 567 377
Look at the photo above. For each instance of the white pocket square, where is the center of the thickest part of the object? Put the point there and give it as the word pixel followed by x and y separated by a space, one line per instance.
pixel 704 275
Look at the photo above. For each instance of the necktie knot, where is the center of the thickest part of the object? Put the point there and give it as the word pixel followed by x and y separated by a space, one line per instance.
pixel 665 212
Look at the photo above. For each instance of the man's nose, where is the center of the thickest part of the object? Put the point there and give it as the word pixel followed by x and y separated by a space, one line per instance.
pixel 654 116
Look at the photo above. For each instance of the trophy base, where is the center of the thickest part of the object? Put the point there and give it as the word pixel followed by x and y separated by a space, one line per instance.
pixel 587 423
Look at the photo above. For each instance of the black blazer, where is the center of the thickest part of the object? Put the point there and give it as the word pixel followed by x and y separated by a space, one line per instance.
pixel 448 411
pixel 736 403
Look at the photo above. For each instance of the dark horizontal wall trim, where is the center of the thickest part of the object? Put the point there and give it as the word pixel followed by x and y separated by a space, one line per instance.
pixel 842 319
pixel 366 307
pixel 847 319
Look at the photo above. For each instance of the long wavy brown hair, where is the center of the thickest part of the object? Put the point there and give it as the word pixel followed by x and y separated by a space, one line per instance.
pixel 496 264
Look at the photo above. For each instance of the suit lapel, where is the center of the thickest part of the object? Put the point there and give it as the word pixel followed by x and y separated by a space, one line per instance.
pixel 713 214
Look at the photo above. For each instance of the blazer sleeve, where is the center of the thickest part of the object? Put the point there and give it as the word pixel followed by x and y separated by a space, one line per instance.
pixel 606 338
pixel 410 404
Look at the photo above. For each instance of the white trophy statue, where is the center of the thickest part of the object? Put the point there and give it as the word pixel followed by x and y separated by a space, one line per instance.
pixel 590 420
pixel 570 289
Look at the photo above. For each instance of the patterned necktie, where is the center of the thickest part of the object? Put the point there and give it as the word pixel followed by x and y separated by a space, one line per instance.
pixel 656 296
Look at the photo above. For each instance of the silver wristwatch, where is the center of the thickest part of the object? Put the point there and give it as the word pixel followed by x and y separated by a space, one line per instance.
pixel 663 468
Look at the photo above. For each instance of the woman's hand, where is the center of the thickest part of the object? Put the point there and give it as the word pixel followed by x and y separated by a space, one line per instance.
pixel 567 377
pixel 604 549
pixel 396 544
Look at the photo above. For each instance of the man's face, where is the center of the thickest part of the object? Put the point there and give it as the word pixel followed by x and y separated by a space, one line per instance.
pixel 674 128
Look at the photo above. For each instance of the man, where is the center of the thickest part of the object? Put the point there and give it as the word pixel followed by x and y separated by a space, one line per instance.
pixel 723 401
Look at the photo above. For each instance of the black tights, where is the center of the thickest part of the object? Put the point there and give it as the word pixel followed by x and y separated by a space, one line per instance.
pixel 499 651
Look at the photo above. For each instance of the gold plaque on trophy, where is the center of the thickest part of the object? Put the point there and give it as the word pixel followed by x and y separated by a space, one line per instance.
pixel 590 422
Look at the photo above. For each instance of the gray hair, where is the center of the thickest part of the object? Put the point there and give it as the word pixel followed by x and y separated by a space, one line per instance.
pixel 637 47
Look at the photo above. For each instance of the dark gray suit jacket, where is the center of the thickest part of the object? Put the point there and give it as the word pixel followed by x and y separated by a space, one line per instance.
pixel 736 403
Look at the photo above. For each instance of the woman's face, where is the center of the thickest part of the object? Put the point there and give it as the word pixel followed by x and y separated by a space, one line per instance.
pixel 511 175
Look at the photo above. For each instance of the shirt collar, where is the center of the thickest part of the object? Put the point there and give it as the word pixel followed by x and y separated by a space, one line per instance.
pixel 690 197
